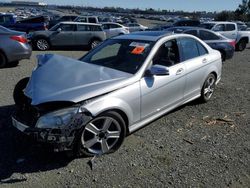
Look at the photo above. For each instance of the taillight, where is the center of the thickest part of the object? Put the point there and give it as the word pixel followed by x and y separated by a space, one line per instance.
pixel 19 39
pixel 233 43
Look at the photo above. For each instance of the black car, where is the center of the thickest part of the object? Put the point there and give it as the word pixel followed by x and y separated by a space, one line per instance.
pixel 193 23
pixel 214 40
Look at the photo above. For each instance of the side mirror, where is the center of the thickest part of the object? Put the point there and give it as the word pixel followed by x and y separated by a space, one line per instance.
pixel 157 70
pixel 59 30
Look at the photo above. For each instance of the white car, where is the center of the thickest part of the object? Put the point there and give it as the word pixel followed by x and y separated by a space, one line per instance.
pixel 231 31
pixel 136 27
pixel 114 29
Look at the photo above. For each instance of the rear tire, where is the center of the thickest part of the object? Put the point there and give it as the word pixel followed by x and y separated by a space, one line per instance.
pixel 42 44
pixel 208 88
pixel 94 43
pixel 18 93
pixel 241 45
pixel 108 129
pixel 3 60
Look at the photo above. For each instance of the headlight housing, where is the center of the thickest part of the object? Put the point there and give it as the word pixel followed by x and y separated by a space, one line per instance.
pixel 57 119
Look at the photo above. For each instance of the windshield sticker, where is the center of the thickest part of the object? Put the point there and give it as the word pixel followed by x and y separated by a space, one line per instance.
pixel 138 50
pixel 137 44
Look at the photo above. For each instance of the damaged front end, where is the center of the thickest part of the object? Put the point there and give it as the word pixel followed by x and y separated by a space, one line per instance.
pixel 56 124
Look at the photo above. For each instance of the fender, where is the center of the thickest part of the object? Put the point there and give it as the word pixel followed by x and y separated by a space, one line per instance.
pixel 112 103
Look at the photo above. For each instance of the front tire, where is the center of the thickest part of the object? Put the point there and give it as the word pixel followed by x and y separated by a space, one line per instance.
pixel 103 135
pixel 208 88
pixel 18 94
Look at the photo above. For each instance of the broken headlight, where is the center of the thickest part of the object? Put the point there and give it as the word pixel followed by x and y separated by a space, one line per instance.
pixel 57 119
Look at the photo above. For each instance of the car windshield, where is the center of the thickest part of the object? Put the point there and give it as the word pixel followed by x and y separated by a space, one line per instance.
pixel 120 54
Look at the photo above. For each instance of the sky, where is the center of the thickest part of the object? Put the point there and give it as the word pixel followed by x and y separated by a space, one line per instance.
pixel 185 5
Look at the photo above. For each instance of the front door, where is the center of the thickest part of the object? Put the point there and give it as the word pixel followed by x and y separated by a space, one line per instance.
pixel 161 92
pixel 65 37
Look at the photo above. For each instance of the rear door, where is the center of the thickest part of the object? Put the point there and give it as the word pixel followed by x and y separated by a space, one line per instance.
pixel 162 92
pixel 65 37
pixel 82 35
pixel 195 57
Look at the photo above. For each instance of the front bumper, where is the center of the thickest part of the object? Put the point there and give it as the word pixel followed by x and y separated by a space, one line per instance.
pixel 56 138
pixel 61 139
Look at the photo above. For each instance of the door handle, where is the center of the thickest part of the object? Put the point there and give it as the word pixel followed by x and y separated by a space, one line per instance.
pixel 179 71
pixel 204 60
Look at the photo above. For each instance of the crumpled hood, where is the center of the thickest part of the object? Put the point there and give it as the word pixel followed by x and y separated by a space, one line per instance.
pixel 59 78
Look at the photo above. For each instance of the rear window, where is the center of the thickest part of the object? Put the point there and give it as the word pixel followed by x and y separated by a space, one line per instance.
pixel 206 35
pixel 191 49
pixel 192 32
pixel 230 27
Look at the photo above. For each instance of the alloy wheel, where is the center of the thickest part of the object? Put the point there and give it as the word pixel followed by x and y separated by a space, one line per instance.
pixel 94 44
pixel 42 44
pixel 101 135
pixel 209 87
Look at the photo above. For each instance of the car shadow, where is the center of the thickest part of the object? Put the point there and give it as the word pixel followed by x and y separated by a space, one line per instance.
pixel 18 154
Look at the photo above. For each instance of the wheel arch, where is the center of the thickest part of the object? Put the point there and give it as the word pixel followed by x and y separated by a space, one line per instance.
pixel 245 39
pixel 114 104
pixel 95 38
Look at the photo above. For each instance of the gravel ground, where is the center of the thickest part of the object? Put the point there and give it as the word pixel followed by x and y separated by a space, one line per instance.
pixel 198 145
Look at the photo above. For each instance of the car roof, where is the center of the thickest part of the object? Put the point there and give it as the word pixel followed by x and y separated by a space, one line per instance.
pixel 110 23
pixel 145 35
pixel 218 22
pixel 80 23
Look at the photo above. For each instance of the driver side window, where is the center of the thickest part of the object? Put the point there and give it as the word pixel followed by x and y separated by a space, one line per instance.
pixel 168 54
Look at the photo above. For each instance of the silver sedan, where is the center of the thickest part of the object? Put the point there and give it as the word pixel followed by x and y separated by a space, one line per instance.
pixel 91 104
pixel 13 47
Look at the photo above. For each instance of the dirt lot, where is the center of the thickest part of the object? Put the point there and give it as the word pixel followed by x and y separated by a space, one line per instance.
pixel 198 145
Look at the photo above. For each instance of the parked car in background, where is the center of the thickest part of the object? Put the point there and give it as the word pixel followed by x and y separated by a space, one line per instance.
pixel 114 29
pixel 178 23
pixel 231 31
pixel 214 40
pixel 87 19
pixel 187 22
pixel 66 18
pixel 241 26
pixel 25 25
pixel 13 47
pixel 115 89
pixel 136 27
pixel 69 34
